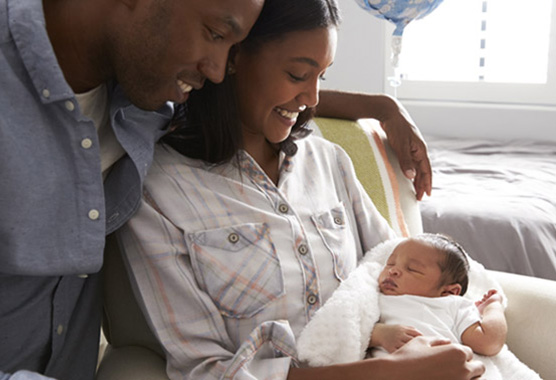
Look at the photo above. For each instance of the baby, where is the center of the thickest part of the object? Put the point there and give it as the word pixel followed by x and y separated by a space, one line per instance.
pixel 418 292
pixel 421 287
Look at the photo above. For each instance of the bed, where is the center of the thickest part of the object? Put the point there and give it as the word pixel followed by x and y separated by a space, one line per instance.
pixel 498 199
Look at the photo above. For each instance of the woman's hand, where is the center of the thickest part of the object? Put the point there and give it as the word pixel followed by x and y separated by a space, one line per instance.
pixel 420 359
pixel 392 337
pixel 431 358
pixel 410 148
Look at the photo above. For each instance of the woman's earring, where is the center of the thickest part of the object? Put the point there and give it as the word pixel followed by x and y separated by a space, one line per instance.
pixel 231 69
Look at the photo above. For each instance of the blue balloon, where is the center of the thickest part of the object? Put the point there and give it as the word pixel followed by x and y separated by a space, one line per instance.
pixel 399 12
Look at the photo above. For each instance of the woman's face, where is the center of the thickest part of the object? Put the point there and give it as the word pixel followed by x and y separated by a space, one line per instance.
pixel 279 80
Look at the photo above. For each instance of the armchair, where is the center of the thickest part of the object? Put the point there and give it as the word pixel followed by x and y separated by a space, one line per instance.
pixel 133 352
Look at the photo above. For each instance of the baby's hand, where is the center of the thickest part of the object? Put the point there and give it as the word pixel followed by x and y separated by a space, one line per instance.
pixel 489 297
pixel 392 337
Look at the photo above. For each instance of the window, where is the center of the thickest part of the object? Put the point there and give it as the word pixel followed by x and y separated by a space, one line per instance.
pixel 481 51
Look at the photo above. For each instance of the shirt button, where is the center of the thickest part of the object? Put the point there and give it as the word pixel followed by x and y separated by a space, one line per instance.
pixel 312 299
pixel 283 208
pixel 86 143
pixel 339 221
pixel 233 238
pixel 83 275
pixel 303 249
pixel 94 214
pixel 46 93
pixel 60 329
pixel 69 105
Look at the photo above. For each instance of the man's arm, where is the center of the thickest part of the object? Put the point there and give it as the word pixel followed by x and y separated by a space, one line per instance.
pixel 420 359
pixel 403 135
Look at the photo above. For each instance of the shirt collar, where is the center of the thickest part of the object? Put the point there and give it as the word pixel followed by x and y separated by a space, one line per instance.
pixel 28 27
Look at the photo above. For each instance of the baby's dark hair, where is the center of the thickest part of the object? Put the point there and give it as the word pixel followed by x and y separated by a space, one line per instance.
pixel 455 267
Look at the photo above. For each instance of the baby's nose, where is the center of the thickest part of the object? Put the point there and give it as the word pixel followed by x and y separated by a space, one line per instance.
pixel 394 271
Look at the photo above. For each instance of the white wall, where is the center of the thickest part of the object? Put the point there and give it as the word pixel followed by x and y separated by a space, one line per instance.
pixel 359 66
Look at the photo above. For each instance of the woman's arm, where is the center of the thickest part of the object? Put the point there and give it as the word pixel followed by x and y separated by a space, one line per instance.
pixel 184 318
pixel 420 359
pixel 403 135
pixel 488 336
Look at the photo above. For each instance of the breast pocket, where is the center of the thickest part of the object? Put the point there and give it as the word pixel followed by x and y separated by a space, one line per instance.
pixel 338 238
pixel 238 267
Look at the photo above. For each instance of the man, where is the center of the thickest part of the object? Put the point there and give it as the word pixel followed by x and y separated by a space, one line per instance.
pixel 85 88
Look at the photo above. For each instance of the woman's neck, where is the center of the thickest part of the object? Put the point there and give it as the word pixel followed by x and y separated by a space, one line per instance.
pixel 266 155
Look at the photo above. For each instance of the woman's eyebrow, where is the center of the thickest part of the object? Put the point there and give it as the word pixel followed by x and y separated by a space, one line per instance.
pixel 309 61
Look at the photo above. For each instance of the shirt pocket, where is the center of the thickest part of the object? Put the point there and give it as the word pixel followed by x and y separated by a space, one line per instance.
pixel 238 267
pixel 335 231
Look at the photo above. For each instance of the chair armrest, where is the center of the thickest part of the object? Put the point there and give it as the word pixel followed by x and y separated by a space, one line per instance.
pixel 530 315
pixel 131 362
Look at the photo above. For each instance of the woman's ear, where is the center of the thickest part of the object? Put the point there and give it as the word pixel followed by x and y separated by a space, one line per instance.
pixel 453 289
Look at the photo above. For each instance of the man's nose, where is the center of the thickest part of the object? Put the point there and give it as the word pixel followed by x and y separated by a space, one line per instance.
pixel 213 67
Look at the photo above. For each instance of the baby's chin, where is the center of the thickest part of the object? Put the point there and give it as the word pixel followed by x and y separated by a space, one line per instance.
pixel 389 292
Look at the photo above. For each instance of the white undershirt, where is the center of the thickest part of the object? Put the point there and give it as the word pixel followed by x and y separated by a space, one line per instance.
pixel 94 105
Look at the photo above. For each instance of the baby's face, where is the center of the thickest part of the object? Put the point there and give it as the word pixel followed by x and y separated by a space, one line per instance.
pixel 413 268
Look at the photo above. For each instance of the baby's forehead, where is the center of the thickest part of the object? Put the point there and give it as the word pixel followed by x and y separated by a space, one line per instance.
pixel 415 245
pixel 417 249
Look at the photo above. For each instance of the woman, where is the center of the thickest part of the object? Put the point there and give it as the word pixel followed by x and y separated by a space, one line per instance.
pixel 233 251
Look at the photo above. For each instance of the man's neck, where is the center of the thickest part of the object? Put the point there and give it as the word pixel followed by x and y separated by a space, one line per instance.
pixel 76 37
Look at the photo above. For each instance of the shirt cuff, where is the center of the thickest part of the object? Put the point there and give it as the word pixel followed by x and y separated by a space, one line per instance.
pixel 267 353
pixel 23 375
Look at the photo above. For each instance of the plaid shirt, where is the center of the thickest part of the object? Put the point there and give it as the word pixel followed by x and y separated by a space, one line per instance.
pixel 230 267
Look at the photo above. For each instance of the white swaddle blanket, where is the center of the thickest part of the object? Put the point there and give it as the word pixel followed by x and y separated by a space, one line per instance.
pixel 340 331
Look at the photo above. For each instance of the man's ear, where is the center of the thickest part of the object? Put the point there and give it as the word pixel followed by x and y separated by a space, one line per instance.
pixel 453 289
pixel 232 57
pixel 130 4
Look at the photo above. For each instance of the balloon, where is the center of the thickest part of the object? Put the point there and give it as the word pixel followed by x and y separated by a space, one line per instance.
pixel 400 13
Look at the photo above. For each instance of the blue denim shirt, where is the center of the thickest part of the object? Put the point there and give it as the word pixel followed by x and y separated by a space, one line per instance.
pixel 55 209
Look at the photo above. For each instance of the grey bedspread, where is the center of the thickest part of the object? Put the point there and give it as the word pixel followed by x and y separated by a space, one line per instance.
pixel 498 200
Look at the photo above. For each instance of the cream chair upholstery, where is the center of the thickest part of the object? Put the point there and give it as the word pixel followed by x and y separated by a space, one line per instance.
pixel 133 352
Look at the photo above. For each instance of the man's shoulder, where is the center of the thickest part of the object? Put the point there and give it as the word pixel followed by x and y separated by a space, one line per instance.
pixel 4 29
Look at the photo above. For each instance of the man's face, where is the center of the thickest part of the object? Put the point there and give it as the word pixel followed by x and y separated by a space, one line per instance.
pixel 166 48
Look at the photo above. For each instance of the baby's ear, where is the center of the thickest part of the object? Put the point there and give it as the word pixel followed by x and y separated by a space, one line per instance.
pixel 453 289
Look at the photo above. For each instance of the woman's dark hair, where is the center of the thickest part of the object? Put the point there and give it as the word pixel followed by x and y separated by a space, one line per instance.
pixel 208 126
pixel 455 267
